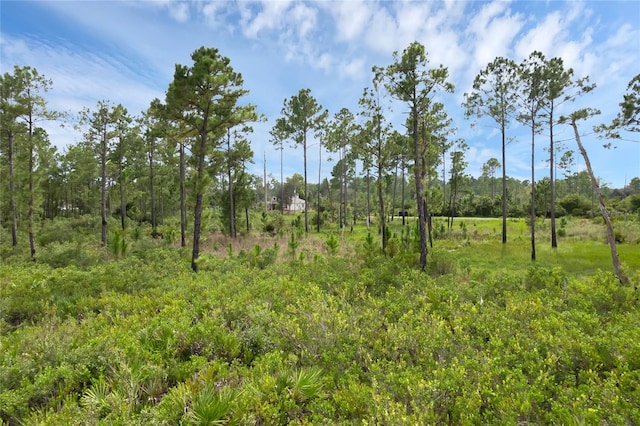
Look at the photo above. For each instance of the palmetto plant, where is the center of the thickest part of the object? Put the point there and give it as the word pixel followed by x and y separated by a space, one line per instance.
pixel 96 397
pixel 117 245
pixel 295 389
pixel 306 384
pixel 212 406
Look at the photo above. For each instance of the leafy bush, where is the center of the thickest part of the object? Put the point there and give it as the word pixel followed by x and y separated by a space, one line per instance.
pixel 58 230
pixel 63 254
pixel 260 258
pixel 249 340
pixel 440 262
pixel 332 244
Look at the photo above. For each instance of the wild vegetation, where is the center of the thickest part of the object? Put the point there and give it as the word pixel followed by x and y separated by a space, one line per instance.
pixel 283 328
pixel 410 306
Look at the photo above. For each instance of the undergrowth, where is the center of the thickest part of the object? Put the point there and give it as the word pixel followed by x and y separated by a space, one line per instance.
pixel 296 330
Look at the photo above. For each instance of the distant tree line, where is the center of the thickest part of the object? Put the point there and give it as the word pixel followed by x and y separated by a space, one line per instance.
pixel 187 155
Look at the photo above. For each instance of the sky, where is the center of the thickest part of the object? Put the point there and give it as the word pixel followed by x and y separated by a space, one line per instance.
pixel 126 51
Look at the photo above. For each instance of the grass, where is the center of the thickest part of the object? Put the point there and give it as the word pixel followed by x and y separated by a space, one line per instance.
pixel 582 252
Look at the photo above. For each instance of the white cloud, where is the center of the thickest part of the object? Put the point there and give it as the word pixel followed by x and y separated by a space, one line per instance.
pixel 543 37
pixel 381 32
pixel 329 46
pixel 80 80
pixel 324 62
pixel 354 68
pixel 303 18
pixel 351 18
pixel 179 11
pixel 271 17
pixel 214 14
pixel 412 20
pixel 494 29
pixel 625 35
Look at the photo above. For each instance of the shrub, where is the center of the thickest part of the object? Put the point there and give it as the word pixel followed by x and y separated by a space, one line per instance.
pixel 332 244
pixel 117 244
pixel 575 205
pixel 259 258
pixel 58 230
pixel 440 262
pixel 64 254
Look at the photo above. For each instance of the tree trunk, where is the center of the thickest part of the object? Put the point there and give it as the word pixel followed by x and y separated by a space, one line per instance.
pixel 197 213
pixel 103 185
pixel 32 243
pixel 383 223
pixel 444 180
pixel 622 277
pixel 404 211
pixel 452 186
pixel 306 193
pixel 421 204
pixel 12 193
pixel 123 207
pixel 453 193
pixel 395 186
pixel 281 180
pixel 368 199
pixel 552 183
pixel 152 193
pixel 355 196
pixel 232 207
pixel 504 186
pixel 183 201
pixel 533 193
pixel 341 196
pixel 346 201
pixel 319 182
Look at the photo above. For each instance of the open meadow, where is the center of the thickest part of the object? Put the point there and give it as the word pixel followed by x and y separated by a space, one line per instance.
pixel 320 329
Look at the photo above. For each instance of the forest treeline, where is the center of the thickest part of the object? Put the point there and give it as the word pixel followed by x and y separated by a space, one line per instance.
pixel 186 155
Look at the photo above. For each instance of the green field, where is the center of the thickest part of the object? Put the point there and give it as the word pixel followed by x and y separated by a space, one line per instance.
pixel 274 330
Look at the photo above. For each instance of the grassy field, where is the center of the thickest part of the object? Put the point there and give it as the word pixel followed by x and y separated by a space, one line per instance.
pixel 582 251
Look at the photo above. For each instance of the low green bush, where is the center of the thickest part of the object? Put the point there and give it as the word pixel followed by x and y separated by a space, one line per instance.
pixel 484 337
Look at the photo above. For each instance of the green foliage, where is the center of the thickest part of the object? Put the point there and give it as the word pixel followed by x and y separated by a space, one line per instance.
pixel 60 255
pixel 292 246
pixel 441 263
pixel 272 222
pixel 575 205
pixel 212 406
pixel 369 248
pixel 298 226
pixel 483 338
pixel 332 244
pixel 259 257
pixel 393 247
pixel 117 245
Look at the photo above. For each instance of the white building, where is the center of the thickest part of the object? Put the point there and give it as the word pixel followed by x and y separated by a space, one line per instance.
pixel 297 204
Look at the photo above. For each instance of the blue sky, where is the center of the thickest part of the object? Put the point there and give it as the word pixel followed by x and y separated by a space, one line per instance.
pixel 125 52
